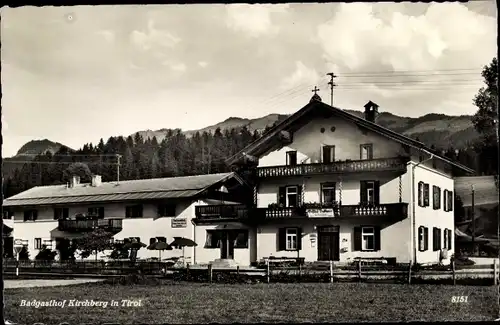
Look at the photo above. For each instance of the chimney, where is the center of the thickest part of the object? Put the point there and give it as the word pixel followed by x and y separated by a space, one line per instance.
pixel 96 180
pixel 371 112
pixel 75 180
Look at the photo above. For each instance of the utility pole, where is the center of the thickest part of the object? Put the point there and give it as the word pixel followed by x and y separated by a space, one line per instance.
pixel 332 84
pixel 118 157
pixel 473 222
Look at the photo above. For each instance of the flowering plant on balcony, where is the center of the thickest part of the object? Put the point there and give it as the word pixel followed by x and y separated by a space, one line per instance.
pixel 275 206
pixel 323 205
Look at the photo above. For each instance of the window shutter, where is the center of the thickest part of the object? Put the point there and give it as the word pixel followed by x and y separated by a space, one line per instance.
pixel 299 239
pixel 434 239
pixel 363 197
pixel 434 197
pixel 420 194
pixel 35 215
pixel 282 196
pixel 426 238
pixel 449 239
pixel 445 200
pixel 65 213
pixel 299 195
pixel 357 238
pixel 426 194
pixel 281 239
pixel 101 212
pixel 420 235
pixel 56 216
pixel 376 192
pixel 450 200
pixel 326 155
pixel 376 238
pixel 440 239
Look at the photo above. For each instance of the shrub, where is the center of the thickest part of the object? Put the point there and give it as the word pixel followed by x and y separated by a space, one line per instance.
pixel 46 254
pixel 24 255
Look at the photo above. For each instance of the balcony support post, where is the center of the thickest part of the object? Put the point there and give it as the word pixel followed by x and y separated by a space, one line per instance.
pixel 400 189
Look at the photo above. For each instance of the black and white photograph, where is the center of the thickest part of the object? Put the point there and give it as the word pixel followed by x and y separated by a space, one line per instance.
pixel 250 163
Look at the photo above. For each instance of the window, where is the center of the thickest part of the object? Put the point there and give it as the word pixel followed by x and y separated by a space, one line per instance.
pixel 449 238
pixel 366 152
pixel 241 238
pixel 47 243
pixel 367 238
pixel 328 154
pixel 423 238
pixel 96 212
pixel 133 211
pixel 30 215
pixel 291 158
pixel 328 193
pixel 7 214
pixel 152 240
pixel 292 196
pixel 289 239
pixel 38 243
pixel 370 193
pixel 436 239
pixel 448 200
pixel 61 213
pixel 436 195
pixel 166 210
pixel 445 239
pixel 423 194
pixel 289 196
pixel 213 239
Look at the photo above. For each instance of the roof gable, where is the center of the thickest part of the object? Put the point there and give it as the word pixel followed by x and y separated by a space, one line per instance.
pixel 301 117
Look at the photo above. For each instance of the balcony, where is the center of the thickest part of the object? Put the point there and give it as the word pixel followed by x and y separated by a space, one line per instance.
pixel 221 212
pixel 397 164
pixel 111 225
pixel 394 210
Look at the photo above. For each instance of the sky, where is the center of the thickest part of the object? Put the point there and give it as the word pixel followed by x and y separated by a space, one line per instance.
pixel 81 73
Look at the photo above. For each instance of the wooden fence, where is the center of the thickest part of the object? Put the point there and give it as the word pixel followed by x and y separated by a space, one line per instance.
pixel 329 272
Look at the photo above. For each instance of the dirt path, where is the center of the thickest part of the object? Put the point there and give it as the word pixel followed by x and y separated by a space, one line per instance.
pixel 10 284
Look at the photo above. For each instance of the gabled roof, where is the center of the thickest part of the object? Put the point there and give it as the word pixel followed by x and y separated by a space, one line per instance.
pixel 253 148
pixel 142 189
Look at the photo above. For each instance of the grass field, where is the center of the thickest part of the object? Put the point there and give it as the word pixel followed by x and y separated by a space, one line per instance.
pixel 205 303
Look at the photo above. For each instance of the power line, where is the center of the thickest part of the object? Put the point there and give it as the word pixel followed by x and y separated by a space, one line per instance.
pixel 390 75
pixel 398 71
pixel 411 82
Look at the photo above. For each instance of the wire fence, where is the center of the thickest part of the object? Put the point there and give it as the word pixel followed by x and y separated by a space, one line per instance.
pixel 265 272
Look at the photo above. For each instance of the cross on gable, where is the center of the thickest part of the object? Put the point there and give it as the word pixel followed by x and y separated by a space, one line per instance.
pixel 315 90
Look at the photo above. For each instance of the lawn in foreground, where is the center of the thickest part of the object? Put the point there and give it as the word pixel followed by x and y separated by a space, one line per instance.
pixel 205 303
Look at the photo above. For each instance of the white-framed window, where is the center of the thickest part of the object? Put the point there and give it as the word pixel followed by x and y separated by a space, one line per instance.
pixel 328 154
pixel 366 151
pixel 30 215
pixel 368 238
pixel 423 238
pixel 38 243
pixel 291 238
pixel 292 196
pixel 97 212
pixel 370 192
pixel 328 193
pixel 291 158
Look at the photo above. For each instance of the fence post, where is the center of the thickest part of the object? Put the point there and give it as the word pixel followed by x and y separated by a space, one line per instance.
pixel 331 271
pixel 210 274
pixel 495 271
pixel 359 270
pixel 268 275
pixel 300 271
pixel 409 272
pixel 453 271
pixel 238 271
pixel 187 272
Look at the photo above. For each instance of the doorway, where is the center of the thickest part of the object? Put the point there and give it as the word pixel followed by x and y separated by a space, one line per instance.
pixel 227 244
pixel 8 247
pixel 328 243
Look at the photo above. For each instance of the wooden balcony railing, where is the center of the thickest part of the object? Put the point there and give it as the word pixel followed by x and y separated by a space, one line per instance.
pixel 386 210
pixel 397 164
pixel 216 212
pixel 111 225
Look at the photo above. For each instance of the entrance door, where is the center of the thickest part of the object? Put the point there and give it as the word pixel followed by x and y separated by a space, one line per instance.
pixel 227 245
pixel 328 244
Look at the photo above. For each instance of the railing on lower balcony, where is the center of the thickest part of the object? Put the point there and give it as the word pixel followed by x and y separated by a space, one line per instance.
pixel 112 225
pixel 218 212
pixel 397 164
pixel 277 213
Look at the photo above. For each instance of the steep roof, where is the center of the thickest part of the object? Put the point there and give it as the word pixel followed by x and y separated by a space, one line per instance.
pixel 254 147
pixel 142 189
pixel 485 190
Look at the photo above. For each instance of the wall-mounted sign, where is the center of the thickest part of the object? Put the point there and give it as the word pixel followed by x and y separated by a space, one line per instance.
pixel 179 223
pixel 320 213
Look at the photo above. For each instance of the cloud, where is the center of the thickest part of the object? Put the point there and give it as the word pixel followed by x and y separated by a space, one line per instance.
pixel 357 39
pixel 254 20
pixel 153 38
pixel 203 64
pixel 301 76
pixel 107 34
pixel 175 66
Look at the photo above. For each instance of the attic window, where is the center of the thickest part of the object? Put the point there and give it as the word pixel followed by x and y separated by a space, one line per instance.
pixel 322 130
pixel 332 129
